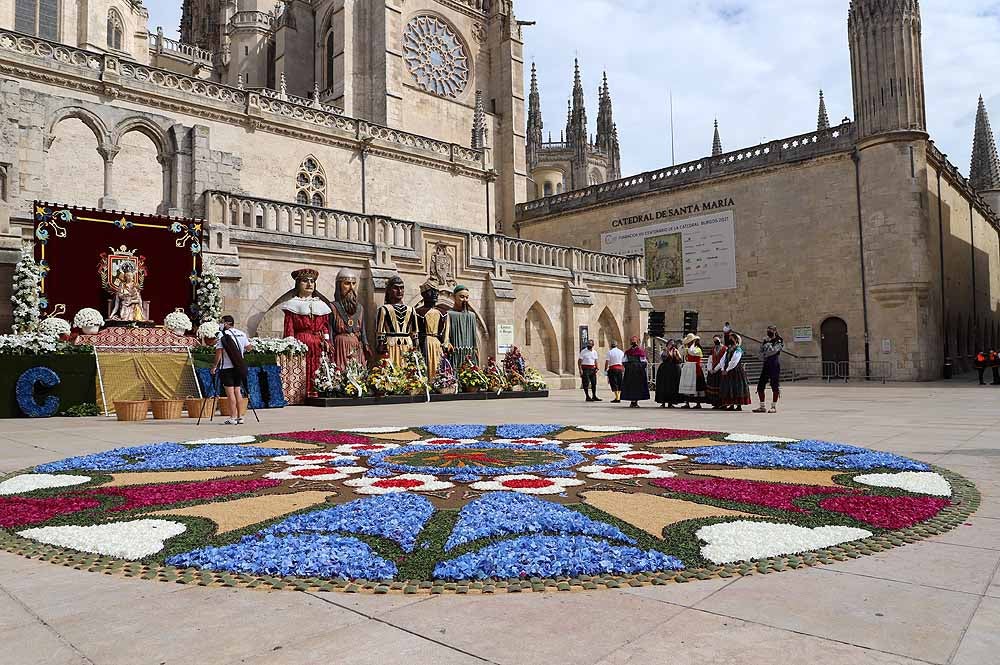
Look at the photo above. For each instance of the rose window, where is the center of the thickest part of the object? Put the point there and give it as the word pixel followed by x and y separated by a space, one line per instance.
pixel 435 56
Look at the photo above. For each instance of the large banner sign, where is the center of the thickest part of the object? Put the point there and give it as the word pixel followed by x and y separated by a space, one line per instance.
pixel 691 255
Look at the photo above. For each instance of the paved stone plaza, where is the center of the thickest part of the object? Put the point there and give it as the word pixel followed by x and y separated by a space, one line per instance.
pixel 936 601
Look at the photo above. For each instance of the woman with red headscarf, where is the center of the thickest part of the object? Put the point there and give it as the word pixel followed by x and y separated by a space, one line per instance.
pixel 635 387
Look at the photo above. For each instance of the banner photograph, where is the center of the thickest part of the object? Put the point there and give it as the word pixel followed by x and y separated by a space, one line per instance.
pixel 691 255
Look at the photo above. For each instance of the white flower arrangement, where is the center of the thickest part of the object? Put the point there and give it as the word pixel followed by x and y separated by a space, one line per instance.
pixel 25 294
pixel 177 321
pixel 208 295
pixel 88 318
pixel 289 346
pixel 125 540
pixel 208 329
pixel 55 326
pixel 29 344
pixel 743 540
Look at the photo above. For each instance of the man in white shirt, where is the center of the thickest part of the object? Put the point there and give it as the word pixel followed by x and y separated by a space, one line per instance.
pixel 587 362
pixel 230 347
pixel 614 367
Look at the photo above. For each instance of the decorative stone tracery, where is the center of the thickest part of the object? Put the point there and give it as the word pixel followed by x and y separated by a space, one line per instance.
pixel 435 56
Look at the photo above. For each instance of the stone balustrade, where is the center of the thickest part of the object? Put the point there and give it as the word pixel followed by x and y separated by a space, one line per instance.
pixel 298 225
pixel 161 44
pixel 112 75
pixel 796 148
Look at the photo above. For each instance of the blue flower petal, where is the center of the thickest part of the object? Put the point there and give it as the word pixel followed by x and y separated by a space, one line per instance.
pixel 456 431
pixel 526 431
pixel 163 456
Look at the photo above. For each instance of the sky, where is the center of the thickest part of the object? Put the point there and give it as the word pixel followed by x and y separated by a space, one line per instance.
pixel 756 65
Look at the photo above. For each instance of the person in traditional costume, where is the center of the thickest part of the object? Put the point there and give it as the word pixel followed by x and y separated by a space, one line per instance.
pixel 462 334
pixel 668 376
pixel 734 392
pixel 770 353
pixel 692 385
pixel 635 387
pixel 614 367
pixel 347 322
pixel 396 325
pixel 433 324
pixel 586 361
pixel 307 319
pixel 713 379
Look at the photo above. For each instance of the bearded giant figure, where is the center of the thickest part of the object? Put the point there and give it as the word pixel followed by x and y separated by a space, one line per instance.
pixel 307 320
pixel 347 322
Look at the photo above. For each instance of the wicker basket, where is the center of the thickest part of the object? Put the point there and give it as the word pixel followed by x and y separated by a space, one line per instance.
pixel 224 406
pixel 132 411
pixel 199 408
pixel 167 409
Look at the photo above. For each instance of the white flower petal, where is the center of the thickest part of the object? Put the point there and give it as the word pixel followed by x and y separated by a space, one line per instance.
pixel 744 541
pixel 608 428
pixel 642 457
pixel 758 438
pixel 125 540
pixel 920 482
pixel 225 440
pixel 37 481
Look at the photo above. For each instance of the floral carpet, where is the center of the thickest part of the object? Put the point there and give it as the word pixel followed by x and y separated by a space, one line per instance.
pixel 474 508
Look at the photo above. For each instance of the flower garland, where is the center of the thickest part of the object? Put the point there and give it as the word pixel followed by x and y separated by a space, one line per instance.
pixel 208 294
pixel 26 294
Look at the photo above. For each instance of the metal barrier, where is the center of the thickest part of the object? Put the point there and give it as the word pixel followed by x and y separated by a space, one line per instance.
pixel 874 370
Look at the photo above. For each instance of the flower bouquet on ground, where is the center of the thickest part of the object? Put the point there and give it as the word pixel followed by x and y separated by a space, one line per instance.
pixel 533 381
pixel 445 382
pixel 329 380
pixel 384 379
pixel 355 378
pixel 514 366
pixel 496 378
pixel 287 346
pixel 412 377
pixel 471 378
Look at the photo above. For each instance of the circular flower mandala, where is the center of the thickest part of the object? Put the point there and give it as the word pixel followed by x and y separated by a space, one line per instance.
pixel 572 505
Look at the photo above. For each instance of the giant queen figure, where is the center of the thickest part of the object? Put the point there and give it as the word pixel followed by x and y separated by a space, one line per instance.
pixel 462 334
pixel 307 320
pixel 347 322
pixel 396 324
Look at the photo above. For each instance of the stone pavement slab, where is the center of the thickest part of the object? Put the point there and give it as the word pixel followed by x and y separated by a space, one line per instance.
pixel 935 598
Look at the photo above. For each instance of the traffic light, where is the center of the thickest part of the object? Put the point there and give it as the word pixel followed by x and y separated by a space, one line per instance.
pixel 690 321
pixel 657 324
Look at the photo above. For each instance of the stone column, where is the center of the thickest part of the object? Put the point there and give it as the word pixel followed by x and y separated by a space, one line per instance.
pixel 108 153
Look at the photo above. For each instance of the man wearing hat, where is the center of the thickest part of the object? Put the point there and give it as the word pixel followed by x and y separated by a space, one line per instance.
pixel 692 384
pixel 770 353
pixel 462 334
pixel 396 324
pixel 307 319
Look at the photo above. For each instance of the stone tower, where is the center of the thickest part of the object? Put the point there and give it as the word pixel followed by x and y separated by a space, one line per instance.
pixel 607 132
pixel 887 66
pixel 984 174
pixel 576 128
pixel 899 292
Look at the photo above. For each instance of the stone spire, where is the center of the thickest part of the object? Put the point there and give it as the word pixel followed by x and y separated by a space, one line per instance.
pixel 717 141
pixel 887 66
pixel 576 135
pixel 823 121
pixel 569 121
pixel 479 123
pixel 984 174
pixel 607 132
pixel 535 124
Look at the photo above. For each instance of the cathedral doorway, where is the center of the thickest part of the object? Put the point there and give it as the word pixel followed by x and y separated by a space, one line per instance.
pixel 833 336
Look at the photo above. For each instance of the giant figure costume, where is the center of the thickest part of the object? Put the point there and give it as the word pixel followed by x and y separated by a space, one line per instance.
pixel 396 325
pixel 462 336
pixel 434 326
pixel 307 320
pixel 347 322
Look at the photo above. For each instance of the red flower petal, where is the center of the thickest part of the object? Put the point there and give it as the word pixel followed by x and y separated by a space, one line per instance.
pixel 527 483
pixel 887 512
pixel 307 473
pixel 16 511
pixel 142 496
pixel 652 435
pixel 391 483
pixel 754 492
pixel 625 471
pixel 334 438
pixel 641 456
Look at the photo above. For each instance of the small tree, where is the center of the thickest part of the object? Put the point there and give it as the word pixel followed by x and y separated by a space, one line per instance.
pixel 26 293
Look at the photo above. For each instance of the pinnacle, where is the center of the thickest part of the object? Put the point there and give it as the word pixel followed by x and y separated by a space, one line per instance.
pixel 984 174
pixel 716 141
pixel 823 122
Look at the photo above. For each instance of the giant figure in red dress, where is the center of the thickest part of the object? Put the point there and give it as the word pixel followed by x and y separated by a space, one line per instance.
pixel 307 319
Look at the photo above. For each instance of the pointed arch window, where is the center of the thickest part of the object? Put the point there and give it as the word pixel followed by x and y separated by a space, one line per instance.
pixel 331 55
pixel 310 183
pixel 116 30
pixel 37 17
